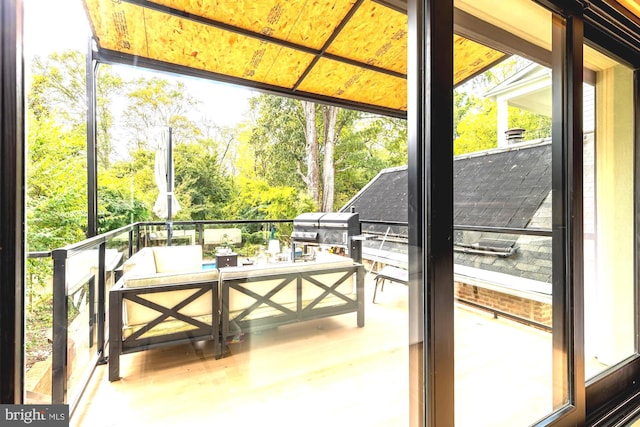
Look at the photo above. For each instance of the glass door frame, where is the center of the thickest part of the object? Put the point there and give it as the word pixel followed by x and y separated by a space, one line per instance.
pixel 12 251
pixel 430 212
pixel 616 390
pixel 430 209
pixel 431 217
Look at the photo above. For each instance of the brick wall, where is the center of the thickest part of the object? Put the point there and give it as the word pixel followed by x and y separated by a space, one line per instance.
pixel 522 307
pixel 518 306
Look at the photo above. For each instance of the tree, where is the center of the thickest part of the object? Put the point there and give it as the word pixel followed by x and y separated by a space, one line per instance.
pixel 58 88
pixel 56 192
pixel 351 147
pixel 58 91
pixel 530 121
pixel 478 128
pixel 154 104
pixel 371 144
pixel 277 141
pixel 202 187
pixel 312 176
pixel 227 142
pixel 330 115
pixel 475 118
pixel 118 209
pixel 253 197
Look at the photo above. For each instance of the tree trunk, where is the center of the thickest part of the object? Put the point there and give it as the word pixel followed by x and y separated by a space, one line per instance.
pixel 312 151
pixel 330 114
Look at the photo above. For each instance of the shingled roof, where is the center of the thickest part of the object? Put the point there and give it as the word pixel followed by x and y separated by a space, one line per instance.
pixel 384 198
pixel 499 188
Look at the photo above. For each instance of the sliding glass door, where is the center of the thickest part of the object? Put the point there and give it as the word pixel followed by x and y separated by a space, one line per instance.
pixel 515 146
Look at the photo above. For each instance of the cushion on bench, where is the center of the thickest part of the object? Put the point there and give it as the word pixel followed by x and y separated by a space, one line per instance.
pixel 171 259
pixel 165 265
pixel 142 263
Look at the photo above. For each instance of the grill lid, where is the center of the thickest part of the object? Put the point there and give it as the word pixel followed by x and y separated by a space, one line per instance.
pixel 308 220
pixel 339 219
pixel 306 236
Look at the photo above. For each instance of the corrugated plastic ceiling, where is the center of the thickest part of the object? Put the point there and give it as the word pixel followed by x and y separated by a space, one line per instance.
pixel 349 52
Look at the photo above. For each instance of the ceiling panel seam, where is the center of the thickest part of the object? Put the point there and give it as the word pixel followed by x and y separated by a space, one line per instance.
pixel 328 42
pixel 318 53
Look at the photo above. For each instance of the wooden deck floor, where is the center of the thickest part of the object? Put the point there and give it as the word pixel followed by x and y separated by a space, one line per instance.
pixel 327 372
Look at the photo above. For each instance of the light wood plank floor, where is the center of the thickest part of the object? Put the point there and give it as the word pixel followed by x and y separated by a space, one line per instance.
pixel 327 372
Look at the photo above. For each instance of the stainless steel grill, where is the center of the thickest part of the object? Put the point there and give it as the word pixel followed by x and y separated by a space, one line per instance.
pixel 331 229
pixel 305 227
pixel 338 228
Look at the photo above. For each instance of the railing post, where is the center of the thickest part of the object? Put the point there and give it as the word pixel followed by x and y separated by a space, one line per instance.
pixel 137 237
pixel 102 274
pixel 131 236
pixel 201 234
pixel 59 329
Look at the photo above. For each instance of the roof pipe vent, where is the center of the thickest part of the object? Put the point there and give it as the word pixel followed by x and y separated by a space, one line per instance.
pixel 514 135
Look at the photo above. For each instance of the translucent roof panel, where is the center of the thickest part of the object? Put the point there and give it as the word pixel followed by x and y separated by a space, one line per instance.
pixel 348 52
pixel 374 35
pixel 471 58
pixel 283 20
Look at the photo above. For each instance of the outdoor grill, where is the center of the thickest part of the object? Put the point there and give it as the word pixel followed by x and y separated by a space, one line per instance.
pixel 305 227
pixel 330 229
pixel 338 228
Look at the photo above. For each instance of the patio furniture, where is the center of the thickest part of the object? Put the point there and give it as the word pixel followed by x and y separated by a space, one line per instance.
pixel 391 273
pixel 163 298
pixel 266 296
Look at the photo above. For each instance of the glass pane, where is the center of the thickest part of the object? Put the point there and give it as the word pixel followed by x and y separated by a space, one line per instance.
pixel 608 212
pixel 82 285
pixel 503 220
pixel 225 310
pixel 38 339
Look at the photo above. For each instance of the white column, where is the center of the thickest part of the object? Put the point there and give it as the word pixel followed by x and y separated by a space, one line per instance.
pixel 503 121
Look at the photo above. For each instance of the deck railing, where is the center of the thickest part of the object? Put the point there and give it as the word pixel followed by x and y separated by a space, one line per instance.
pixel 83 272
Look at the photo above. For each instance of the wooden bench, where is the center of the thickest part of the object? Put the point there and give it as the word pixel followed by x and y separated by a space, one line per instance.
pixel 164 297
pixel 391 273
pixel 258 297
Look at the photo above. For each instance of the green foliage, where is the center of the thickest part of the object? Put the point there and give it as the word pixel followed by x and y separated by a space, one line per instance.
pixel 58 88
pixel 462 103
pixel 56 185
pixel 477 129
pixel 131 186
pixel 367 147
pixel 154 104
pixel 278 140
pixel 58 92
pixel 475 118
pixel 116 210
pixel 365 144
pixel 201 186
pixel 256 199
pixel 529 121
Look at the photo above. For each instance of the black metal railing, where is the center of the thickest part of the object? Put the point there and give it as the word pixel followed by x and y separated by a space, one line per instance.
pixel 105 253
pixel 82 273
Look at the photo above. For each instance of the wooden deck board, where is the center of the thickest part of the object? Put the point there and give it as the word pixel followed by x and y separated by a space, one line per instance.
pixel 327 372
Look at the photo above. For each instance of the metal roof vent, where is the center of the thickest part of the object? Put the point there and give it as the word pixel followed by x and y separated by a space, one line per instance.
pixel 514 135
